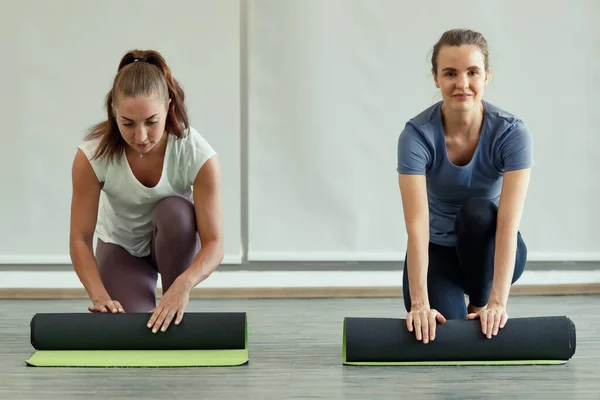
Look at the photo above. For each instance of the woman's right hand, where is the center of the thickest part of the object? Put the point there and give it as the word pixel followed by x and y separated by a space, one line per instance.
pixel 422 320
pixel 106 305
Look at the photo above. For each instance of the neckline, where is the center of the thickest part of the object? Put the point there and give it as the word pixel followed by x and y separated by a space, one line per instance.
pixel 476 152
pixel 162 172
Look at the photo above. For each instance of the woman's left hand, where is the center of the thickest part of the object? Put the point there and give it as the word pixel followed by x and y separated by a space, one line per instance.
pixel 493 318
pixel 172 304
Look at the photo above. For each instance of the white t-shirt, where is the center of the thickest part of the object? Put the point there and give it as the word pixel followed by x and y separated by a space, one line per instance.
pixel 125 209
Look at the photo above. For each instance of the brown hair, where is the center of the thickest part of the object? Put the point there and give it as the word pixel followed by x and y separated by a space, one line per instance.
pixel 140 72
pixel 458 37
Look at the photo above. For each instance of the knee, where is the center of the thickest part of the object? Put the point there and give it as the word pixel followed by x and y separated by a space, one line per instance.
pixel 477 217
pixel 454 313
pixel 174 216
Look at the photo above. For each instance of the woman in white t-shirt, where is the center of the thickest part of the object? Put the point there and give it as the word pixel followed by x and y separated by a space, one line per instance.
pixel 149 186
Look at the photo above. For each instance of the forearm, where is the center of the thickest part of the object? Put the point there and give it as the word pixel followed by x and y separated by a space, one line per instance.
pixel 205 263
pixel 504 265
pixel 417 263
pixel 86 268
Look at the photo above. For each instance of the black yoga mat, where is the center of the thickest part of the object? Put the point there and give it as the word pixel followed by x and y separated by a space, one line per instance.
pixel 106 339
pixel 387 341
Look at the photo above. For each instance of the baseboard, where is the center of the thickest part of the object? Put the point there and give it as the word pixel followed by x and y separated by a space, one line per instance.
pixel 291 292
pixel 222 279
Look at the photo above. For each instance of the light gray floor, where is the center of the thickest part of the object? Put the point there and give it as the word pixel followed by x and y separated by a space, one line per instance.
pixel 295 353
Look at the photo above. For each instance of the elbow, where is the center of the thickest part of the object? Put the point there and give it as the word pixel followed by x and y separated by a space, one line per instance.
pixel 507 224
pixel 220 251
pixel 418 233
pixel 76 240
pixel 216 248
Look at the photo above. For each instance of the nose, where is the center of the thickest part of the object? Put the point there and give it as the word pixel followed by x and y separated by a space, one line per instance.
pixel 462 82
pixel 140 135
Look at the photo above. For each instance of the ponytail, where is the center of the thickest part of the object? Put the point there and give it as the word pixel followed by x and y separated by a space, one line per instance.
pixel 140 72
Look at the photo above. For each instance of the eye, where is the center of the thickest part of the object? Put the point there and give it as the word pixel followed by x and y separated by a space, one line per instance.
pixel 152 122
pixel 474 72
pixel 127 124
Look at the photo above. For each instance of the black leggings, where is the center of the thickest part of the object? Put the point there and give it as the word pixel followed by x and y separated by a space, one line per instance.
pixel 467 268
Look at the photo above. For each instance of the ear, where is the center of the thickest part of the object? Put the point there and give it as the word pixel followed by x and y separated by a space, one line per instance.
pixel 435 80
pixel 487 76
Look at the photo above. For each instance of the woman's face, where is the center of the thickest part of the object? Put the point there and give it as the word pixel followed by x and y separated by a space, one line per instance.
pixel 461 76
pixel 141 121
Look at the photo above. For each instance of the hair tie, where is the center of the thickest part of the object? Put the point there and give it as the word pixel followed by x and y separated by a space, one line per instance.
pixel 139 59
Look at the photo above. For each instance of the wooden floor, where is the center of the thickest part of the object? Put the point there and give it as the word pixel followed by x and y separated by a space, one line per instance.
pixel 295 353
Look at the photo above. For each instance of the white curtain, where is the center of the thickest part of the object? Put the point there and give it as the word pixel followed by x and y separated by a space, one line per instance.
pixel 58 61
pixel 332 83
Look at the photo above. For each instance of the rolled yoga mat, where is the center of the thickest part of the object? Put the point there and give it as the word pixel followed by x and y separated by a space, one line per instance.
pixel 124 340
pixel 387 341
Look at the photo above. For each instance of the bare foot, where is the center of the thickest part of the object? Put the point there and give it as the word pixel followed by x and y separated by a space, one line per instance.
pixel 472 309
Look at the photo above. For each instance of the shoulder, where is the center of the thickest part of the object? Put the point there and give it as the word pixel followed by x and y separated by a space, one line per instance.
pixel 510 138
pixel 192 151
pixel 417 141
pixel 423 128
pixel 89 148
pixel 424 125
pixel 430 115
pixel 192 142
pixel 503 123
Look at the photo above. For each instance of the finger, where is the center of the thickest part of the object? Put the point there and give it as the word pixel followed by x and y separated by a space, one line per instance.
pixel 472 316
pixel 409 322
pixel 160 320
pixel 484 317
pixel 417 324
pixel 493 321
pixel 490 324
pixel 440 318
pixel 425 328
pixel 179 316
pixel 503 320
pixel 119 306
pixel 432 321
pixel 168 319
pixel 497 323
pixel 153 317
pixel 110 306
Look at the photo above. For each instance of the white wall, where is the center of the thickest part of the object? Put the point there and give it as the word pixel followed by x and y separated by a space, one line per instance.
pixel 58 61
pixel 331 84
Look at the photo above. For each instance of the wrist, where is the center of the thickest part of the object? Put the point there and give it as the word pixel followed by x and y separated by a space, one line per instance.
pixel 497 300
pixel 98 294
pixel 186 280
pixel 419 303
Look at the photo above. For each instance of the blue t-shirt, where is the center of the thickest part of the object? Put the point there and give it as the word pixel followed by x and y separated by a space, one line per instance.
pixel 505 144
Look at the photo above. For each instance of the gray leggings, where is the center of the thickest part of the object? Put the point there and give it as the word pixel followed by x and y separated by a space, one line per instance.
pixel 132 280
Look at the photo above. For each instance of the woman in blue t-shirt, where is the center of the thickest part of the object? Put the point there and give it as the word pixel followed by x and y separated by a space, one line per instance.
pixel 464 167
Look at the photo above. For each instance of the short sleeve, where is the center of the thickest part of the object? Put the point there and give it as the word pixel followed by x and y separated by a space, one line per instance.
pixel 198 152
pixel 414 156
pixel 98 165
pixel 516 148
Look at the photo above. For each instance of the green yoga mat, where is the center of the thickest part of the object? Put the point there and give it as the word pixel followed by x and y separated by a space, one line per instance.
pixel 523 341
pixel 123 340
